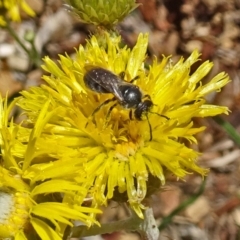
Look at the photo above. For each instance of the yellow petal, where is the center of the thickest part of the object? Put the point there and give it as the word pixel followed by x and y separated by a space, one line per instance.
pixel 44 230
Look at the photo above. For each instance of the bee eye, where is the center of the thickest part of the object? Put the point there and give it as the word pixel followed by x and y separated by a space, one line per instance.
pixel 143 107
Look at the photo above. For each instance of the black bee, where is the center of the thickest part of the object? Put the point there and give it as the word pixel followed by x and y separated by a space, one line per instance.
pixel 125 93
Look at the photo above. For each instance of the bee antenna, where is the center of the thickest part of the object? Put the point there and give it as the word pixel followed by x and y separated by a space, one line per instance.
pixel 160 115
pixel 150 128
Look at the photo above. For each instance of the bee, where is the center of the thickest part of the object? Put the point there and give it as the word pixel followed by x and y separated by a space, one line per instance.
pixel 126 94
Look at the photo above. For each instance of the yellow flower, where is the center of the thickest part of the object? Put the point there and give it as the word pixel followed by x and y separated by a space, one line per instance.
pixel 11 9
pixel 123 161
pixel 34 196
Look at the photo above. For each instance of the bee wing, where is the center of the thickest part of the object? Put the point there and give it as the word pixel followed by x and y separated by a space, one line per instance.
pixel 106 82
pixel 116 92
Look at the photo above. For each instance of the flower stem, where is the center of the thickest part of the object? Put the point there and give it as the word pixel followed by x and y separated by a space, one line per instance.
pixel 32 54
pixel 231 131
pixel 146 227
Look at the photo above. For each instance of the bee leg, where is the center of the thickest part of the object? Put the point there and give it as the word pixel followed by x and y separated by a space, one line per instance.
pixel 147 96
pixel 150 127
pixel 134 79
pixel 100 106
pixel 109 112
pixel 122 75
pixel 131 115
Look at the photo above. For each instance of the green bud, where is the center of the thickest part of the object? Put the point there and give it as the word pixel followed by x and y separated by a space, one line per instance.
pixel 102 12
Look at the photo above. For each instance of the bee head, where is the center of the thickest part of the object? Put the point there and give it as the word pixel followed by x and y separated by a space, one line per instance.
pixel 143 107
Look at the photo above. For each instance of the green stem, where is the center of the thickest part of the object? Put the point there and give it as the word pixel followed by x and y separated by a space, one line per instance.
pixel 35 55
pixel 15 36
pixel 231 131
pixel 146 227
pixel 32 54
pixel 127 225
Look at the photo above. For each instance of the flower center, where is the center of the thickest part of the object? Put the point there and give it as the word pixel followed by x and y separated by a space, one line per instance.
pixel 14 212
pixel 125 150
